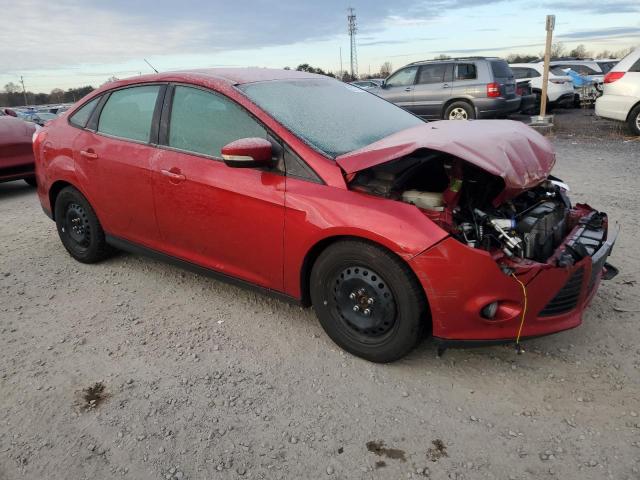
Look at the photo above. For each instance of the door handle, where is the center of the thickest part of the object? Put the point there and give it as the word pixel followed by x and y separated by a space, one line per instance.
pixel 446 85
pixel 174 176
pixel 88 154
pixel 408 89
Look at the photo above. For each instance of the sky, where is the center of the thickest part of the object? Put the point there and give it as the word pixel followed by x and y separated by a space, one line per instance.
pixel 71 43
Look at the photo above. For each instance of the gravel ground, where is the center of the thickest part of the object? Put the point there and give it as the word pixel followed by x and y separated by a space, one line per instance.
pixel 135 369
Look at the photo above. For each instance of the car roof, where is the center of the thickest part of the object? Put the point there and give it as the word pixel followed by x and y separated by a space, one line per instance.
pixel 232 76
pixel 456 59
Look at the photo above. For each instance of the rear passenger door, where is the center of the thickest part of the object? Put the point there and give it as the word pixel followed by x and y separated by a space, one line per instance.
pixel 465 81
pixel 432 90
pixel 114 155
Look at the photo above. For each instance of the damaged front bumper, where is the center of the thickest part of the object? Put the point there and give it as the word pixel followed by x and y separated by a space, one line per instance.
pixel 460 281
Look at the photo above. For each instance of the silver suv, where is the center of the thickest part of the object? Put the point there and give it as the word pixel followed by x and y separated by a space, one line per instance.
pixel 454 89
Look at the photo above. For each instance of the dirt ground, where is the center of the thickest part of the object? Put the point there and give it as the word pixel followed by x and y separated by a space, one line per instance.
pixel 135 369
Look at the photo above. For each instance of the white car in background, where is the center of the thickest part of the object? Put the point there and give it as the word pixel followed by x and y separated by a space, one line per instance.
pixel 621 98
pixel 559 88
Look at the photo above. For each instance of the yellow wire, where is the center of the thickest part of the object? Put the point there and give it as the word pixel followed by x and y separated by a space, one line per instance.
pixel 524 308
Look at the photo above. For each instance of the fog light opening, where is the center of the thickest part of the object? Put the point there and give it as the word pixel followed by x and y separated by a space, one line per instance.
pixel 489 311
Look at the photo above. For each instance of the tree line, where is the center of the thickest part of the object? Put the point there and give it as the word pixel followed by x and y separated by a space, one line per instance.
pixel 14 96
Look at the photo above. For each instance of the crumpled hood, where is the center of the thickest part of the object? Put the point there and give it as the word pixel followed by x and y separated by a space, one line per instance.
pixel 511 150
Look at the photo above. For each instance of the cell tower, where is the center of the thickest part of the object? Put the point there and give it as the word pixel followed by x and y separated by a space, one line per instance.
pixel 353 29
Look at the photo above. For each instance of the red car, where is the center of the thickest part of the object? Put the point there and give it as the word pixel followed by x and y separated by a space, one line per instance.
pixel 327 195
pixel 16 151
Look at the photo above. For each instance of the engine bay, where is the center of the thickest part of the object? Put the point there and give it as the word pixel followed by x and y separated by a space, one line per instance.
pixel 470 204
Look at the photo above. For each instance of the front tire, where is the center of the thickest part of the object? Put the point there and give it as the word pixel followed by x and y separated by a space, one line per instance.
pixel 634 120
pixel 459 111
pixel 79 228
pixel 368 301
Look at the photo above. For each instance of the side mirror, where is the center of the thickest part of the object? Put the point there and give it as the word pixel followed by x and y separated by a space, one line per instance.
pixel 247 153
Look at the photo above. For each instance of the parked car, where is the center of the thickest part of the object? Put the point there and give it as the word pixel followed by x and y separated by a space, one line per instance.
pixel 528 98
pixel 290 182
pixel 594 69
pixel 456 89
pixel 621 98
pixel 16 154
pixel 368 84
pixel 559 87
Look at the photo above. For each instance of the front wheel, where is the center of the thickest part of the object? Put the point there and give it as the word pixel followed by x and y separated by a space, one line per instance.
pixel 459 111
pixel 634 120
pixel 368 301
pixel 79 228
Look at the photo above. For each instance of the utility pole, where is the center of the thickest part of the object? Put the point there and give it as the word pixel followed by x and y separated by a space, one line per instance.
pixel 353 28
pixel 341 71
pixel 24 92
pixel 550 24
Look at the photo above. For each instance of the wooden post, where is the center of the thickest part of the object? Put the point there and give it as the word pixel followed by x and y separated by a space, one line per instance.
pixel 551 21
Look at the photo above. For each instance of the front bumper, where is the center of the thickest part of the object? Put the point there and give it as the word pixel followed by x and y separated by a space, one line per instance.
pixel 459 281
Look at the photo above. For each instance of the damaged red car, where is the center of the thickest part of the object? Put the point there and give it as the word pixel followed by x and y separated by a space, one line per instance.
pixel 16 152
pixel 326 195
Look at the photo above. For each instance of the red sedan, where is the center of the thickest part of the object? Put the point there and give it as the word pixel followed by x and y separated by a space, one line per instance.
pixel 16 152
pixel 327 195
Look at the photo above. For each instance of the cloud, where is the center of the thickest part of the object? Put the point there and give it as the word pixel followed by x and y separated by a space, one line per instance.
pixel 612 32
pixel 395 42
pixel 46 34
pixel 598 7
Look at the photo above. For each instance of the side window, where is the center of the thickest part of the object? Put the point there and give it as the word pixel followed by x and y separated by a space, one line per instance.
pixel 204 122
pixel 534 73
pixel 81 117
pixel 466 71
pixel 403 78
pixel 129 112
pixel 520 72
pixel 433 73
pixel 635 67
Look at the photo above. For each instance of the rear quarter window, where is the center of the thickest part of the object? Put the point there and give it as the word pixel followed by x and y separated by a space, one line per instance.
pixel 635 67
pixel 501 69
pixel 81 117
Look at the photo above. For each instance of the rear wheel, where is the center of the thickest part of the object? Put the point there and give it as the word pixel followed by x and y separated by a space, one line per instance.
pixel 368 301
pixel 79 228
pixel 634 120
pixel 459 111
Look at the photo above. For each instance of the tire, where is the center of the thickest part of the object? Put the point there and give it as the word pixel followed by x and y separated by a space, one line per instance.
pixel 31 181
pixel 351 274
pixel 79 228
pixel 459 111
pixel 634 120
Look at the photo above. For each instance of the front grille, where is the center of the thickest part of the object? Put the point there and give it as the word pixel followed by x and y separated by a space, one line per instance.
pixel 567 298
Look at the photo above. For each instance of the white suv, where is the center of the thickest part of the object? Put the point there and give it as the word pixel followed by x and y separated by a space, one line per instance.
pixel 560 87
pixel 621 98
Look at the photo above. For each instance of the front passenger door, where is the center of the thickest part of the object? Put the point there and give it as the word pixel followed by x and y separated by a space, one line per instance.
pixel 226 219
pixel 398 88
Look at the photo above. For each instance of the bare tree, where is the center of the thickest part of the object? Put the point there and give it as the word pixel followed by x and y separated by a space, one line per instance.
pixel 385 69
pixel 580 52
pixel 12 88
pixel 442 56
pixel 557 50
pixel 56 95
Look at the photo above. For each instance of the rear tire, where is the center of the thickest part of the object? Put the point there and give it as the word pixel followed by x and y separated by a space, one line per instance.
pixel 459 111
pixel 391 307
pixel 634 120
pixel 79 228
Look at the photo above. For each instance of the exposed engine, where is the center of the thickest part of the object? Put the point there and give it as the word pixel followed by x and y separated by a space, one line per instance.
pixel 466 201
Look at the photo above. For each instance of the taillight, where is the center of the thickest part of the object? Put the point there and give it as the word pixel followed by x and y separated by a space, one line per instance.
pixel 613 76
pixel 493 89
